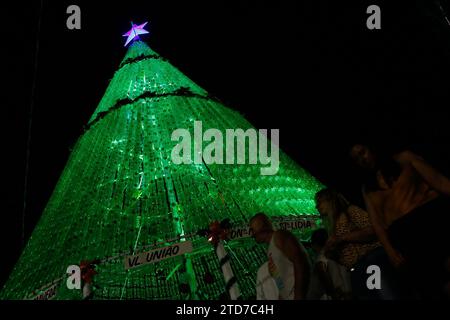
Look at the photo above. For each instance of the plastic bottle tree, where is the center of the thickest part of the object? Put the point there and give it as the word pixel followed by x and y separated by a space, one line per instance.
pixel 120 191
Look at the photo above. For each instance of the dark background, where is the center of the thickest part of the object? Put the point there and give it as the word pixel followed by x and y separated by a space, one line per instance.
pixel 310 68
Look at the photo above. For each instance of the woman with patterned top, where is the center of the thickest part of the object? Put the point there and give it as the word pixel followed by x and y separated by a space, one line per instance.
pixel 353 244
pixel 351 235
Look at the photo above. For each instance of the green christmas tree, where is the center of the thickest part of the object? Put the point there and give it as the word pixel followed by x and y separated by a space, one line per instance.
pixel 121 194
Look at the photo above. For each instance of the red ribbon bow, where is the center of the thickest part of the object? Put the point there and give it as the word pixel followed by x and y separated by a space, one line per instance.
pixel 216 232
pixel 88 270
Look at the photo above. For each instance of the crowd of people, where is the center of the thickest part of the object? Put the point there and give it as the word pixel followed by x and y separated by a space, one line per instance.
pixel 401 231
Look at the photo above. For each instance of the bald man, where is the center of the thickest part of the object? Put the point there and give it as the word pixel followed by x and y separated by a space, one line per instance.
pixel 288 262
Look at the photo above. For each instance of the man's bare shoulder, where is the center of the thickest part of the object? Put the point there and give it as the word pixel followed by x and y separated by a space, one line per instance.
pixel 282 233
pixel 283 236
pixel 406 157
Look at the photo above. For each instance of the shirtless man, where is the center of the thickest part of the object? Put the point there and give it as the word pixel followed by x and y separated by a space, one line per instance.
pixel 407 196
pixel 288 261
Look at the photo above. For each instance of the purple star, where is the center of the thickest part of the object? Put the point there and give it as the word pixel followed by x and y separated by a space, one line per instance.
pixel 135 32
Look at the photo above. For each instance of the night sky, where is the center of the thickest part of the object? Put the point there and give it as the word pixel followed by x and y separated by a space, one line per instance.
pixel 310 68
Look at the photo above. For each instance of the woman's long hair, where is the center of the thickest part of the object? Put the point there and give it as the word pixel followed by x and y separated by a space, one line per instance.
pixel 338 203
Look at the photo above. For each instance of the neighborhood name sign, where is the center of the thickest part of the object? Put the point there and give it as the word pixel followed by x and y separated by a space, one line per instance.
pixel 47 294
pixel 297 224
pixel 133 261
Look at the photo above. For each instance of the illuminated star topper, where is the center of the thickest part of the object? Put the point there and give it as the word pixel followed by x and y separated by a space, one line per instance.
pixel 135 32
